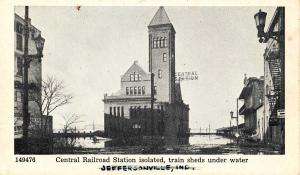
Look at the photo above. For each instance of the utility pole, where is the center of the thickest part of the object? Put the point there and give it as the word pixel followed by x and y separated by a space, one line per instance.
pixel 26 117
pixel 230 128
pixel 152 105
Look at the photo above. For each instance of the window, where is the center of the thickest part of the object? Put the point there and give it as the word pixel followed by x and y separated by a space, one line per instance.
pixel 135 76
pixel 131 77
pixel 110 110
pixel 131 90
pixel 127 90
pixel 161 45
pixel 166 42
pixel 164 57
pixel 156 42
pixel 118 110
pixel 19 66
pixel 122 111
pixel 155 90
pixel 135 90
pixel 159 73
pixel 19 28
pixel 143 90
pixel 140 77
pixel 139 90
pixel 130 111
pixel 19 42
pixel 114 111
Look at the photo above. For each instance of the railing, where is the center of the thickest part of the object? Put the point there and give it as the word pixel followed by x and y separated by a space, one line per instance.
pixel 271 53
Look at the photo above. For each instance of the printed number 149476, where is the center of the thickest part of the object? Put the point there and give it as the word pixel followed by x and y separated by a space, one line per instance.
pixel 25 159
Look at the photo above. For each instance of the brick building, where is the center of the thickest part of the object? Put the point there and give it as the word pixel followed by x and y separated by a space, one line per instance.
pixel 37 120
pixel 274 87
pixel 170 114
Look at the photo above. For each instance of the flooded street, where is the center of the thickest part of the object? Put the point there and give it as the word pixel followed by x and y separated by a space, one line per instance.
pixel 198 144
pixel 195 140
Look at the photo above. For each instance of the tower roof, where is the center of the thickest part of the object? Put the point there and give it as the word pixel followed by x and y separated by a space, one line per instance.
pixel 160 17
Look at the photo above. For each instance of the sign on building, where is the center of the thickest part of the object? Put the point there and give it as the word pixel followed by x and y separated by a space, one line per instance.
pixel 183 76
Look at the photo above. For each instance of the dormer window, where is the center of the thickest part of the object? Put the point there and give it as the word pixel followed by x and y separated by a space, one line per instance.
pixel 131 77
pixel 135 77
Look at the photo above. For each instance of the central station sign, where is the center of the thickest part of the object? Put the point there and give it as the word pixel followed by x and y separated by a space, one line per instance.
pixel 183 76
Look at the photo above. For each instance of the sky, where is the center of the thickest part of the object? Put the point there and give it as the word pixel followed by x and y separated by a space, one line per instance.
pixel 91 48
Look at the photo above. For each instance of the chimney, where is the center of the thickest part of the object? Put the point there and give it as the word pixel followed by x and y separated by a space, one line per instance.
pixel 245 80
pixel 135 62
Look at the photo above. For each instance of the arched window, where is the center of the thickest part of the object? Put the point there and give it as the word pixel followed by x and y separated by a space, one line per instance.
pixel 143 90
pixel 127 90
pixel 131 77
pixel 155 43
pixel 131 90
pixel 139 90
pixel 135 90
pixel 155 90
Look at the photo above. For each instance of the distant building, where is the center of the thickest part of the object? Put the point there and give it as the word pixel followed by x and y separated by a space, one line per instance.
pixel 252 95
pixel 34 81
pixel 171 114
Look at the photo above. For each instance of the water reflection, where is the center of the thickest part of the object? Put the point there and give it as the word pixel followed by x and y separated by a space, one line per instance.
pixel 99 142
pixel 209 140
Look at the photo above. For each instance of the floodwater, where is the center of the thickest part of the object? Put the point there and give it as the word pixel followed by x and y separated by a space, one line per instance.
pixel 194 140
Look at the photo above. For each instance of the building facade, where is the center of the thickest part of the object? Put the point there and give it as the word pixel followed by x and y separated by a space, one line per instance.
pixel 274 87
pixel 37 120
pixel 252 95
pixel 170 115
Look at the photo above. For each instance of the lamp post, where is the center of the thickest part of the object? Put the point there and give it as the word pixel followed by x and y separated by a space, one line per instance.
pixel 39 43
pixel 260 21
pixel 237 116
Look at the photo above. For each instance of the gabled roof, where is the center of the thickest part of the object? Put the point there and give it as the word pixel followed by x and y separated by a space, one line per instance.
pixel 134 67
pixel 160 17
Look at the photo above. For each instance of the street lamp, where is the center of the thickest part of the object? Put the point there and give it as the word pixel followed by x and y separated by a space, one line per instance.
pixel 260 20
pixel 39 43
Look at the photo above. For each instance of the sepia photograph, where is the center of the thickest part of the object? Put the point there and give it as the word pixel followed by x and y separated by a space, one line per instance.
pixel 198 80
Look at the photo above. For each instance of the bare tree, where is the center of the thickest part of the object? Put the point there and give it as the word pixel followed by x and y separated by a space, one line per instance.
pixel 49 96
pixel 53 95
pixel 70 121
pixel 67 144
